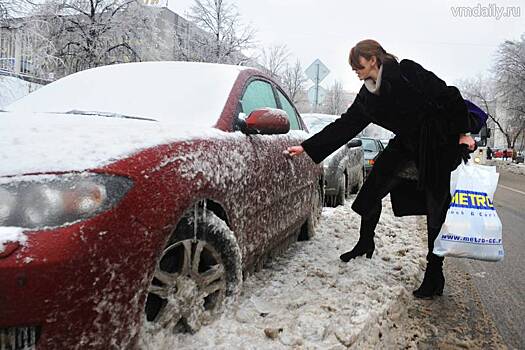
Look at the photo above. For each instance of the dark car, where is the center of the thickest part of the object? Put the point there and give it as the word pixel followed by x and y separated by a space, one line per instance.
pixel 372 148
pixel 135 196
pixel 343 169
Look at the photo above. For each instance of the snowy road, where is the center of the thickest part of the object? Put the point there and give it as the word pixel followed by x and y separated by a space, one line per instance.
pixel 307 298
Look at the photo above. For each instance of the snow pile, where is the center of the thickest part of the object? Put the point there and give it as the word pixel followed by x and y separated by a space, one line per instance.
pixel 308 298
pixel 12 89
pixel 508 165
pixel 11 234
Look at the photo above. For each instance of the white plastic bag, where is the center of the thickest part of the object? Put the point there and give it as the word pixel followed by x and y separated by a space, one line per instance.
pixel 472 228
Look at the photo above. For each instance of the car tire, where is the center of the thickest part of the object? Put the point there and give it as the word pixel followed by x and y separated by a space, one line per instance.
pixel 197 274
pixel 359 183
pixel 341 191
pixel 308 229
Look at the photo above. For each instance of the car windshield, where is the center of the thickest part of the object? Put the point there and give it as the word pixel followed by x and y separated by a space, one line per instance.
pixel 183 93
pixel 369 145
pixel 316 123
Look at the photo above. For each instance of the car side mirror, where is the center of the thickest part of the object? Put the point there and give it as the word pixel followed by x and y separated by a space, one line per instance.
pixel 265 121
pixel 354 143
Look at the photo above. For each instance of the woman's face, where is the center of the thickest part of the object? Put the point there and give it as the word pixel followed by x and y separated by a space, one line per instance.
pixel 368 66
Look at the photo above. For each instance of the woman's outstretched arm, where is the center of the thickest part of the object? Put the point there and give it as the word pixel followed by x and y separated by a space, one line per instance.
pixel 335 134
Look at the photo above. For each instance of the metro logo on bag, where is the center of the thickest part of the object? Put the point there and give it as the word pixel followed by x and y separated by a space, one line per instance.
pixel 472 228
pixel 472 200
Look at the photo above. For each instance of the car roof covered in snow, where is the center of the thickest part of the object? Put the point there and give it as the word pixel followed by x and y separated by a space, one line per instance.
pixel 187 93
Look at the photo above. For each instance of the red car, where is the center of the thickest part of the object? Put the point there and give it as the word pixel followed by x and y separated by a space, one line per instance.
pixel 136 196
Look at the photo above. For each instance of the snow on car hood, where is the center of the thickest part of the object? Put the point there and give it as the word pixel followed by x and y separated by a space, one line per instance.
pixel 44 142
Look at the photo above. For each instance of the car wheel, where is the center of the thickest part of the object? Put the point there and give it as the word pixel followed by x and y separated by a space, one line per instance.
pixel 340 198
pixel 198 271
pixel 308 229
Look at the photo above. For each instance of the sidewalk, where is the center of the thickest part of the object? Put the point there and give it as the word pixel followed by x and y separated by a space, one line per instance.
pixel 307 298
pixel 508 165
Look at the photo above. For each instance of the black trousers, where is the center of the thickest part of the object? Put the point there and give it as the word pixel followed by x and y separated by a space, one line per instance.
pixel 437 206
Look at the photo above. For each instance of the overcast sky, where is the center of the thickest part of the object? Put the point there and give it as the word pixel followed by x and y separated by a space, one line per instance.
pixel 424 31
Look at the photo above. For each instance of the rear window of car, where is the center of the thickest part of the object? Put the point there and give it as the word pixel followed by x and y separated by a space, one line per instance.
pixel 369 145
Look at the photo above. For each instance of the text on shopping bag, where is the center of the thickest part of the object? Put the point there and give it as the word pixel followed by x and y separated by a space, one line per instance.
pixel 471 200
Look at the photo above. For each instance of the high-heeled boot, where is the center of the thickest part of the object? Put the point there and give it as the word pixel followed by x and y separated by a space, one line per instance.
pixel 433 281
pixel 363 246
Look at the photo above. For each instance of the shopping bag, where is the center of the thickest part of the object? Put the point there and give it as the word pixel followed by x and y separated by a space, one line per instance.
pixel 472 228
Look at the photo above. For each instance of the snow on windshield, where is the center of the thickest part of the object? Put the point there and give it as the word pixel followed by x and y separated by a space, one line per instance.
pixel 316 122
pixel 174 92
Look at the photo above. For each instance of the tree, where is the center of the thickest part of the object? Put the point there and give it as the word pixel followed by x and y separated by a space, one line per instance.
pixel 81 34
pixel 227 35
pixel 335 101
pixel 484 93
pixel 510 72
pixel 294 80
pixel 503 97
pixel 273 60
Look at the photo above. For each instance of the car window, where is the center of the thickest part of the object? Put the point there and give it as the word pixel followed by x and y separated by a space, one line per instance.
pixel 369 145
pixel 258 94
pixel 288 108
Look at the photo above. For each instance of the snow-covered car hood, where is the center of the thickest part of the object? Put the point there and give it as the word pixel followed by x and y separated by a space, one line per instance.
pixel 45 142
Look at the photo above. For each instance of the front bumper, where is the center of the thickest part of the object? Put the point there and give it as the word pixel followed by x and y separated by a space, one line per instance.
pixel 79 285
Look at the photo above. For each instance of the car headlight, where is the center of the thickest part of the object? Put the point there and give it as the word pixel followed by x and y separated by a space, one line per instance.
pixel 53 200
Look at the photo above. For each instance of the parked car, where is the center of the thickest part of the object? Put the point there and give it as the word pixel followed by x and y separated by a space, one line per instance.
pixel 343 169
pixel 136 196
pixel 373 148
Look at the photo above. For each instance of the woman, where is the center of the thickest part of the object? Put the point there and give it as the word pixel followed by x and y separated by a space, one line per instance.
pixel 431 123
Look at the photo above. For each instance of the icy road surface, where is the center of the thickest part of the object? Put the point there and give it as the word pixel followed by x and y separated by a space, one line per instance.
pixel 308 298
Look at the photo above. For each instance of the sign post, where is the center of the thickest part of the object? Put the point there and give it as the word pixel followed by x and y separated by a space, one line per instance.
pixel 317 71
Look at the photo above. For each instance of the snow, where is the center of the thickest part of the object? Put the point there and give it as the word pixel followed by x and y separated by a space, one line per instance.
pixel 317 121
pixel 508 165
pixel 307 298
pixel 11 234
pixel 41 142
pixel 12 89
pixel 174 92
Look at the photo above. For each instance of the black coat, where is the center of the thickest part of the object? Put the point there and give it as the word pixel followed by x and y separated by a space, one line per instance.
pixel 426 116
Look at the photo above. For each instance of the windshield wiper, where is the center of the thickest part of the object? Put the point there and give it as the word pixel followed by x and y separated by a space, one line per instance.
pixel 105 114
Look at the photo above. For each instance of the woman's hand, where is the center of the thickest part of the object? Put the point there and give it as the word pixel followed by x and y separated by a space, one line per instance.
pixel 294 150
pixel 467 140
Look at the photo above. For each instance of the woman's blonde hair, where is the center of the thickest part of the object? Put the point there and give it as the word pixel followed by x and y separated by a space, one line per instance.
pixel 368 48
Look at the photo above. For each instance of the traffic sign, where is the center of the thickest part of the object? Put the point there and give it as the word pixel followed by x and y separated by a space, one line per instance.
pixel 317 71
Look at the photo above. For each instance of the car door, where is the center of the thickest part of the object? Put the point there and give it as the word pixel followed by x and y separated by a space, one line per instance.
pixel 277 179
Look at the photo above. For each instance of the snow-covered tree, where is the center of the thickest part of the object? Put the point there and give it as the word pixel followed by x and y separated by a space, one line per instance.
pixel 335 101
pixel 227 36
pixel 273 60
pixel 294 81
pixel 81 34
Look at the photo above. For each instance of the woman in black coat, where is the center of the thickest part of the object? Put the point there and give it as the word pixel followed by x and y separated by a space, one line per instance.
pixel 431 124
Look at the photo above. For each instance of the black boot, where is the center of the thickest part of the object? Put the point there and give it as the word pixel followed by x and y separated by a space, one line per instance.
pixel 433 281
pixel 363 246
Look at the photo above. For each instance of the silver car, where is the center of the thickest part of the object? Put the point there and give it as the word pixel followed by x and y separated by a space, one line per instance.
pixel 344 169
